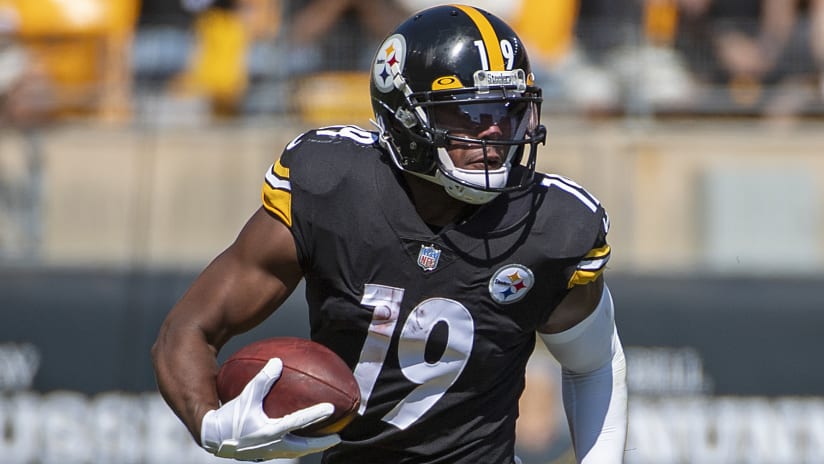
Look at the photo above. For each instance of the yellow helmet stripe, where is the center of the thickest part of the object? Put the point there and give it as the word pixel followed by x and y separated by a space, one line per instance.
pixel 490 38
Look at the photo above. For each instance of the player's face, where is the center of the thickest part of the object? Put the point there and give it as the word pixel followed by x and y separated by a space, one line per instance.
pixel 467 155
pixel 480 121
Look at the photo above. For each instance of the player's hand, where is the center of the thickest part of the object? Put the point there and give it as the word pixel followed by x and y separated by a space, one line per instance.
pixel 241 430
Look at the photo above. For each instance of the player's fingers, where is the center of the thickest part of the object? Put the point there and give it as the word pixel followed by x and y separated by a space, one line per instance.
pixel 272 369
pixel 311 444
pixel 307 416
pixel 262 382
pixel 290 446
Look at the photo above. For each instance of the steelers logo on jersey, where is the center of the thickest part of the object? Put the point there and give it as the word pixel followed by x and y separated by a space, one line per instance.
pixel 511 283
pixel 389 61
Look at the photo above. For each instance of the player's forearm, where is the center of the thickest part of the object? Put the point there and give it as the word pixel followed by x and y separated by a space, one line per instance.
pixel 594 384
pixel 596 407
pixel 185 369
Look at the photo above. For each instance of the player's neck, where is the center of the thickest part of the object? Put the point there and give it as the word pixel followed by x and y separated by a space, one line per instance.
pixel 434 205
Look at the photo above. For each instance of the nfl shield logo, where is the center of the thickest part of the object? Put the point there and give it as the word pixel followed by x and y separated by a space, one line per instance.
pixel 428 257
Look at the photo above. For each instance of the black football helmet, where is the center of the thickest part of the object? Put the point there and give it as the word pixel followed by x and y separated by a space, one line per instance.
pixel 439 79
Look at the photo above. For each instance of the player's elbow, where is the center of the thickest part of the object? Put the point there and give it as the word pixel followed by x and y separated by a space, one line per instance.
pixel 589 345
pixel 158 350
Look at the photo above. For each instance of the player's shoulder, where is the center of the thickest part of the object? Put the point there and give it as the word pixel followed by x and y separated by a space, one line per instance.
pixel 339 159
pixel 319 161
pixel 569 213
pixel 330 143
pixel 565 192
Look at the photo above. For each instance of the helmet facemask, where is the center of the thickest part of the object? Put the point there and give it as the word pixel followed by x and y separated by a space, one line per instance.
pixel 493 124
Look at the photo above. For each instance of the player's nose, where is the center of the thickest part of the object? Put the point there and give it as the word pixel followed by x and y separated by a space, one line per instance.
pixel 492 132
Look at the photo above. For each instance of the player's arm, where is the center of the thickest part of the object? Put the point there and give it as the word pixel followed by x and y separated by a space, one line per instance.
pixel 582 336
pixel 237 290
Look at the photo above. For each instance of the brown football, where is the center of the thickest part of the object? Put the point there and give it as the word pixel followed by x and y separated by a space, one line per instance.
pixel 312 373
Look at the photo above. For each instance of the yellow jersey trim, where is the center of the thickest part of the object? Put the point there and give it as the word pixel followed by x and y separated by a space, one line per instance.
pixel 276 193
pixel 590 267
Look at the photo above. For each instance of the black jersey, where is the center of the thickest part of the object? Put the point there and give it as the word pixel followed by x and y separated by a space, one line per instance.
pixel 437 327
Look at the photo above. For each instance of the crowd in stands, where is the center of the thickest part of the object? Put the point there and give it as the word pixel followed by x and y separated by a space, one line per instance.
pixel 599 57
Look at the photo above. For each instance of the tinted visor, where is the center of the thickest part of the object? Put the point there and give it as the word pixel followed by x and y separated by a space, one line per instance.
pixel 474 118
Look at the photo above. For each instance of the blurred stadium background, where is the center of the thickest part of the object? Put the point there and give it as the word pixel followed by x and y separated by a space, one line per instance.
pixel 135 135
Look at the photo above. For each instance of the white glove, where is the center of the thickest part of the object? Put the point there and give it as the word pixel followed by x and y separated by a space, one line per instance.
pixel 241 430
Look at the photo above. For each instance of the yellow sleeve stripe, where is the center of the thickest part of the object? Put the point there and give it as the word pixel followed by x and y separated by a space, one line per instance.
pixel 590 267
pixel 490 38
pixel 277 193
pixel 598 253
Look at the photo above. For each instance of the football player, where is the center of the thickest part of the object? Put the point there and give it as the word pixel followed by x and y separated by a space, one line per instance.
pixel 432 254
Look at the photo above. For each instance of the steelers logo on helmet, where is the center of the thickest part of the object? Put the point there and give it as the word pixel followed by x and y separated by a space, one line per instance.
pixel 511 283
pixel 389 61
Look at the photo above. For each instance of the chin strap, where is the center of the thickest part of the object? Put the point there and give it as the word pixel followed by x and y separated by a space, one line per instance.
pixel 462 192
pixel 594 384
pixel 476 196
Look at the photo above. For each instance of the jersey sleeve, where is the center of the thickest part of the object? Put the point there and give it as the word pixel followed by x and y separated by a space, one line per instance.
pixel 304 187
pixel 315 161
pixel 587 251
pixel 593 264
pixel 276 193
